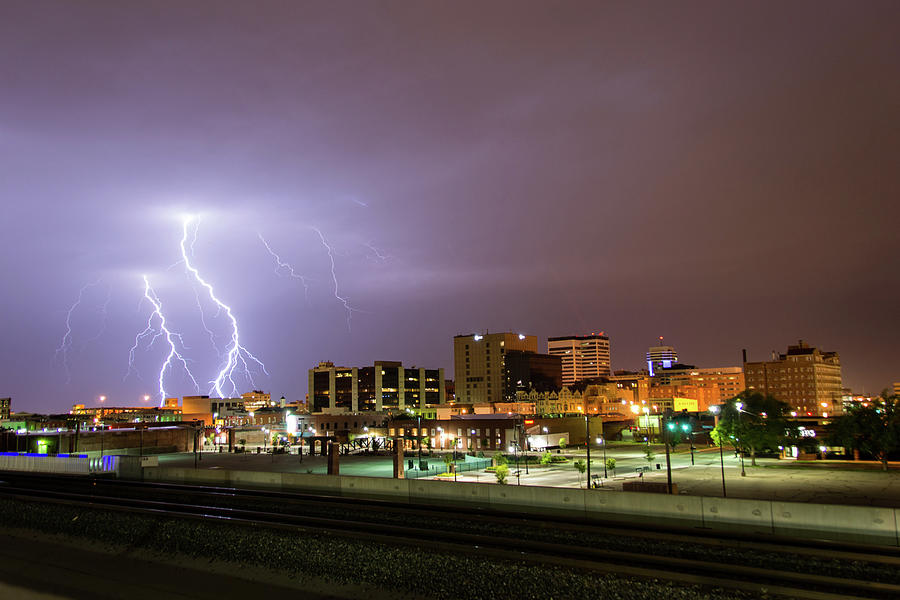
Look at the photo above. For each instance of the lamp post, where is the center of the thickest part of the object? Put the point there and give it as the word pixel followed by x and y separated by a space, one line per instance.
pixel 669 426
pixel 715 411
pixel 587 443
pixel 524 435
pixel 685 427
pixel 602 441
pixel 740 406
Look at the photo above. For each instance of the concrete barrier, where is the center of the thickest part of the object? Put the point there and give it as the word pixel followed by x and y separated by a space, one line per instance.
pixel 645 508
pixel 861 524
pixel 726 513
pixel 423 491
pixel 263 480
pixel 319 484
pixel 567 502
pixel 379 488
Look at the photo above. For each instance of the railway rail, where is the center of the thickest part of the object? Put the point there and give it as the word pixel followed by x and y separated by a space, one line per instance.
pixel 366 518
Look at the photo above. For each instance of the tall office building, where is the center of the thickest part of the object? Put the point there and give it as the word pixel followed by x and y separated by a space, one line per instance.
pixel 804 377
pixel 387 385
pixel 526 371
pixel 479 362
pixel 583 356
pixel 660 357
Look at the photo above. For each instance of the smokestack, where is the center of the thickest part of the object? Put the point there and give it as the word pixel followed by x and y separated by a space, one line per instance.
pixel 744 352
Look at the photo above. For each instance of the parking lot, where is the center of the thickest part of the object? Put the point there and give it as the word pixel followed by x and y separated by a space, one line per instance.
pixel 827 482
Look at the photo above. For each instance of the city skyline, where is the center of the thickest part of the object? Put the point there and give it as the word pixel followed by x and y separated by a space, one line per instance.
pixel 372 181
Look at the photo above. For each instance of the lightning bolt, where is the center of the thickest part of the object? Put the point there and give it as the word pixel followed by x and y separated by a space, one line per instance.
pixel 378 253
pixel 104 314
pixel 280 266
pixel 66 343
pixel 235 353
pixel 209 332
pixel 174 354
pixel 343 300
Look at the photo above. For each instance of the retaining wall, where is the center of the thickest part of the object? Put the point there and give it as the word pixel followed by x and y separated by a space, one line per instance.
pixel 861 524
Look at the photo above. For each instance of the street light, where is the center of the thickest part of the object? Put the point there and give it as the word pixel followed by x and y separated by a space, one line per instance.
pixel 587 443
pixel 715 411
pixel 685 427
pixel 602 442
pixel 740 406
pixel 669 426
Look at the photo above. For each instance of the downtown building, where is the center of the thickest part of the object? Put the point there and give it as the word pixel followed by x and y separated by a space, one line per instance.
pixel 660 357
pixel 583 356
pixel 494 367
pixel 806 378
pixel 709 386
pixel 385 386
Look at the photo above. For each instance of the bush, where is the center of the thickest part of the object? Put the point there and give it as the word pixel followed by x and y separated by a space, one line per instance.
pixel 546 458
pixel 501 472
pixel 500 459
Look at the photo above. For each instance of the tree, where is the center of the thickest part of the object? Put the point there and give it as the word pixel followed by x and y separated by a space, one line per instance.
pixel 500 459
pixel 562 443
pixel 581 467
pixel 873 429
pixel 649 454
pixel 758 424
pixel 500 473
pixel 546 458
pixel 611 465
pixel 448 460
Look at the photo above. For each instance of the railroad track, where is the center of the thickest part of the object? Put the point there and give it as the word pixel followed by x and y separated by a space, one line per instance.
pixel 713 572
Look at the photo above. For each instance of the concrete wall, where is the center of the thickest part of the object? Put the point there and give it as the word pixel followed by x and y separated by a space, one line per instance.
pixel 861 524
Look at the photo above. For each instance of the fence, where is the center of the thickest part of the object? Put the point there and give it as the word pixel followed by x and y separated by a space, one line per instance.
pixel 436 467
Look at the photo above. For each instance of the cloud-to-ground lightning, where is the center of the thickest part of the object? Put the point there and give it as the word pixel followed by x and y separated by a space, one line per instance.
pixel 343 300
pixel 281 266
pixel 161 331
pixel 235 353
pixel 66 343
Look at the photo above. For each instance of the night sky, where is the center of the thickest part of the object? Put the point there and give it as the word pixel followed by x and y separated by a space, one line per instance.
pixel 722 174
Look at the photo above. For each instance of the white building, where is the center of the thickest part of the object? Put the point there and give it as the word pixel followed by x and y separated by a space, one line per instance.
pixel 583 356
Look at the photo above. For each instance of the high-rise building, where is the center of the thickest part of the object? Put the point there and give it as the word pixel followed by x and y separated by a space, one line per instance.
pixel 387 385
pixel 524 371
pixel 480 366
pixel 4 407
pixel 583 356
pixel 805 377
pixel 660 357
pixel 897 388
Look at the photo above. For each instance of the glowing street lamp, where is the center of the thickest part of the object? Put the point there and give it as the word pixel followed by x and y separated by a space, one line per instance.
pixel 715 411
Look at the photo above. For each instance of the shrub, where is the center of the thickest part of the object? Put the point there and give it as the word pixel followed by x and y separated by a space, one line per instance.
pixel 501 472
